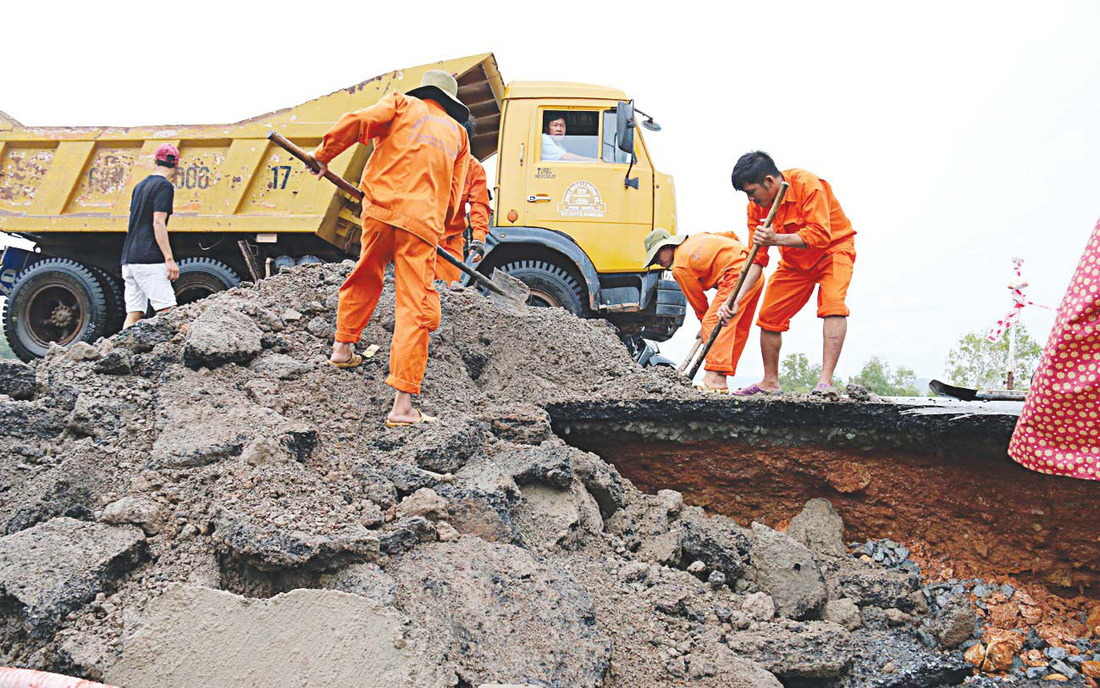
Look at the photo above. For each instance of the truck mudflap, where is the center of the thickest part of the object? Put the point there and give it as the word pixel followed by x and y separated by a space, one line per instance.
pixel 12 262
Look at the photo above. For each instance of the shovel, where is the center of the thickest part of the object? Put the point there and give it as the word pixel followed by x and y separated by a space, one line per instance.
pixel 966 394
pixel 694 368
pixel 507 292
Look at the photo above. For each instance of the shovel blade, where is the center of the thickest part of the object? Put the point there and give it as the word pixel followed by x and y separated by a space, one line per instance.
pixel 513 294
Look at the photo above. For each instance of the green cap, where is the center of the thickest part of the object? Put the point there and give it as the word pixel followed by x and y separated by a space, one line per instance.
pixel 658 239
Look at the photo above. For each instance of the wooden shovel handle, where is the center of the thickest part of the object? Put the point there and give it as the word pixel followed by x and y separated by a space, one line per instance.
pixel 341 183
pixel 783 186
pixel 352 190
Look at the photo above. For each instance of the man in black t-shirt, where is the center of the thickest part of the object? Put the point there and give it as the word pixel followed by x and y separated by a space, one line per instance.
pixel 147 264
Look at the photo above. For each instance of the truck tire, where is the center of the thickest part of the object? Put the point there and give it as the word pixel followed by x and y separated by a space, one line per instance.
pixel 55 300
pixel 550 285
pixel 201 277
pixel 116 306
pixel 281 263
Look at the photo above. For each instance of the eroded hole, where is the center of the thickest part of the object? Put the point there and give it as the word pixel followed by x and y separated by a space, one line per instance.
pixel 943 485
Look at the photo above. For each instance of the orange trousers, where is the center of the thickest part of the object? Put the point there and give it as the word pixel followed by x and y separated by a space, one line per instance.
pixel 416 307
pixel 726 352
pixel 790 289
pixel 454 245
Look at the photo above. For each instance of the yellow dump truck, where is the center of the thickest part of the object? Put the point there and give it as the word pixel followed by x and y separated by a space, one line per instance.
pixel 570 211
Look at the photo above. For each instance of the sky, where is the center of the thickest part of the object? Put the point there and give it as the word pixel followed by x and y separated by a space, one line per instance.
pixel 955 135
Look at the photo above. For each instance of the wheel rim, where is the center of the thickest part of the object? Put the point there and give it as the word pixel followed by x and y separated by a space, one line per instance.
pixel 197 288
pixel 55 313
pixel 540 299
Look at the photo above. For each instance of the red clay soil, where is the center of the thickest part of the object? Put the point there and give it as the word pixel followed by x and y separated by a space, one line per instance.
pixel 988 518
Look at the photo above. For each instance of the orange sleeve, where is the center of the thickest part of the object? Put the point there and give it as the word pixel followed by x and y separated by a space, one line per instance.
pixel 456 204
pixel 693 291
pixel 357 127
pixel 816 231
pixel 479 201
pixel 762 257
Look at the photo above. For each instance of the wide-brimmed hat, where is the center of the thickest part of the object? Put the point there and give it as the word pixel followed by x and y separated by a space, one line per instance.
pixel 443 89
pixel 658 239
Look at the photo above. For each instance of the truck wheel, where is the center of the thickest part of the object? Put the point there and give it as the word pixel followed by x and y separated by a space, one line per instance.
pixel 550 285
pixel 201 277
pixel 116 306
pixel 282 263
pixel 55 300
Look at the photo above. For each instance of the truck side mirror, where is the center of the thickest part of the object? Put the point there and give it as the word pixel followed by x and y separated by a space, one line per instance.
pixel 624 127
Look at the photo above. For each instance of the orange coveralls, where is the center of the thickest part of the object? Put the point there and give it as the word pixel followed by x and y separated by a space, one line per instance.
pixel 810 210
pixel 476 193
pixel 411 186
pixel 714 261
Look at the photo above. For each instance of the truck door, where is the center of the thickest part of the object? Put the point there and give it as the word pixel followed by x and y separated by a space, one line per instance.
pixel 575 184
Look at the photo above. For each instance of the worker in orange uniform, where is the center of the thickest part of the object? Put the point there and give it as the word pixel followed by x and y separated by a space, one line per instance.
pixel 700 262
pixel 476 193
pixel 817 249
pixel 411 185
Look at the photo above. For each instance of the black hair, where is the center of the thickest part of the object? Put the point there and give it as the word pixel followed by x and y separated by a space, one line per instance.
pixel 471 127
pixel 751 168
pixel 165 163
pixel 551 115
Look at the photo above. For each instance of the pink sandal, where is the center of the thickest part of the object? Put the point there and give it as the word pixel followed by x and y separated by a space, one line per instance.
pixel 753 390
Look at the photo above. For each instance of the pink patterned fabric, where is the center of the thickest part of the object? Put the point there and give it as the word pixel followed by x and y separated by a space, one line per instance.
pixel 1059 429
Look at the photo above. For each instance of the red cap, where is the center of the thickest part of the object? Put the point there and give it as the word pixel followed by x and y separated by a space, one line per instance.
pixel 167 154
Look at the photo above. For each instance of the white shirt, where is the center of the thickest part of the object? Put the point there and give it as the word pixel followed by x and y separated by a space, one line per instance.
pixel 551 149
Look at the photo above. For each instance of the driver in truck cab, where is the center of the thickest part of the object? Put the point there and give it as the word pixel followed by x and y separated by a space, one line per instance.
pixel 704 261
pixel 553 141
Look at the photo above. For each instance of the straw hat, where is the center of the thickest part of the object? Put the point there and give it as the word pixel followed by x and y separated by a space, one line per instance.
pixel 443 89
pixel 658 239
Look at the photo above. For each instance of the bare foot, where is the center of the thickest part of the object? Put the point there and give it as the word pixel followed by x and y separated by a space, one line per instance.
pixel 713 380
pixel 769 385
pixel 403 411
pixel 413 417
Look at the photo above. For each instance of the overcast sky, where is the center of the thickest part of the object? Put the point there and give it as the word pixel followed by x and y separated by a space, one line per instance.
pixel 955 135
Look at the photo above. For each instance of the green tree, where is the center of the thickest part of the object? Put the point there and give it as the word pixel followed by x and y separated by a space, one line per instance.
pixel 879 377
pixel 979 363
pixel 797 375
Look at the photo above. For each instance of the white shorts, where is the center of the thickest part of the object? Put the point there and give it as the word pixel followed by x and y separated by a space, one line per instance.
pixel 147 283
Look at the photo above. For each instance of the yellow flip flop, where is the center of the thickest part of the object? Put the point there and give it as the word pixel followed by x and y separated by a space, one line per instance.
pixel 424 418
pixel 712 390
pixel 354 362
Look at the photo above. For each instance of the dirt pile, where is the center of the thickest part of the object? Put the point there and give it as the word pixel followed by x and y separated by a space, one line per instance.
pixel 175 494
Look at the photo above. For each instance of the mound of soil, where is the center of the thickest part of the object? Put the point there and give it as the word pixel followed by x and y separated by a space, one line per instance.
pixel 234 493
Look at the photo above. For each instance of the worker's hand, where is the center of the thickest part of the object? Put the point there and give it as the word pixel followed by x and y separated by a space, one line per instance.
pixel 700 335
pixel 173 269
pixel 319 168
pixel 726 313
pixel 765 236
pixel 475 252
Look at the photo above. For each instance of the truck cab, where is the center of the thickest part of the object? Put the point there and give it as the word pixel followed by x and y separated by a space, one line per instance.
pixel 575 195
